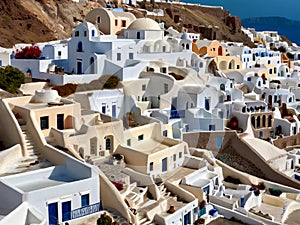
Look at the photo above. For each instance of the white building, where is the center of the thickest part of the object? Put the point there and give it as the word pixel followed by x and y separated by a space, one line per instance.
pixel 59 193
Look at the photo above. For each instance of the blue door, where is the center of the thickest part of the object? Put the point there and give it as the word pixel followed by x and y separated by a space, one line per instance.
pixel 79 67
pixel 60 121
pixel 187 218
pixel 66 211
pixel 164 164
pixel 114 111
pixel 53 213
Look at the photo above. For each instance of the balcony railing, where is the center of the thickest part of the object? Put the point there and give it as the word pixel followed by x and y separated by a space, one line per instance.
pixel 86 210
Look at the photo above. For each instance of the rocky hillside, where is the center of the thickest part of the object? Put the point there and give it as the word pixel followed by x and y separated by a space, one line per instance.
pixel 31 21
pixel 211 22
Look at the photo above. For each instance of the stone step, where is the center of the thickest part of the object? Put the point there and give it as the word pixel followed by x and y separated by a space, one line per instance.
pixel 143 220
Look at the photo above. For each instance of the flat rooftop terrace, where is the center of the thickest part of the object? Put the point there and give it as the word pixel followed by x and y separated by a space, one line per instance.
pixel 43 178
pixel 43 182
pixel 149 146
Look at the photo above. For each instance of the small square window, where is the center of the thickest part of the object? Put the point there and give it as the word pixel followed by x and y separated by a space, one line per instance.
pixel 123 23
pixel 85 200
pixel 141 137
pixel 76 34
pixel 130 55
pixel 144 87
pixel 59 53
pixel 44 122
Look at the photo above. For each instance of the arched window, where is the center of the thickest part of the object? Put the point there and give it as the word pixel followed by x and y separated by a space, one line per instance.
pixel 258 122
pixel 187 46
pixel 264 120
pixel 259 83
pixel 270 71
pixel 270 121
pixel 93 33
pixel 79 47
pixel 253 121
pixel 222 87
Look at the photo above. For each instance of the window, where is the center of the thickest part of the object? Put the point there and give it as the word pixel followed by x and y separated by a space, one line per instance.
pixel 44 122
pixel 163 70
pixel 166 88
pixel 118 56
pixel 93 33
pixel 129 142
pixel 85 33
pixel 116 22
pixel 151 166
pixel 85 200
pixel 103 108
pixel 141 137
pixel 138 35
pixel 123 23
pixel 108 144
pixel 59 53
pixel 207 100
pixel 144 87
pixel 165 133
pixel 130 55
pixel 164 48
pixel 79 47
pixel 180 155
pixel 99 19
pixel 237 67
pixel 76 33
pixel 174 157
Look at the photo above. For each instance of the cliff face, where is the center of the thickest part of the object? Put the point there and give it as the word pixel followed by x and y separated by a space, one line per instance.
pixel 31 21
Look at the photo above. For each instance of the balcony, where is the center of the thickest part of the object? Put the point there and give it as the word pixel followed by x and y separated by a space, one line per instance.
pixel 83 211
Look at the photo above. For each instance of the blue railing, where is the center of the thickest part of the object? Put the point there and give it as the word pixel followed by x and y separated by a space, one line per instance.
pixel 176 114
pixel 86 210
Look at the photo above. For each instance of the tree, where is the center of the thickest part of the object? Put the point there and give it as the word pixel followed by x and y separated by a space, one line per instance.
pixel 11 79
pixel 282 49
pixel 29 52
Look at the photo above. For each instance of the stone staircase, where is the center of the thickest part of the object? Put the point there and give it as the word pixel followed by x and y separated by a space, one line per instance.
pixel 32 161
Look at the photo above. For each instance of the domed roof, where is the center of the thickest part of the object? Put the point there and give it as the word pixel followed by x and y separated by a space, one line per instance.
pixel 144 24
pixel 185 36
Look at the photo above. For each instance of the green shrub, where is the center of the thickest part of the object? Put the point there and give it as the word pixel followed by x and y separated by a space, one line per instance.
pixel 11 79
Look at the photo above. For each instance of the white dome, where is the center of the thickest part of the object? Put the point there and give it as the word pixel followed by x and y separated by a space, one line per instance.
pixel 144 24
pixel 45 96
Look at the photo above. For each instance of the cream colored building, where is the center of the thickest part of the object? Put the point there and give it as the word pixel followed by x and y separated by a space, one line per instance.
pixel 147 151
pixel 109 22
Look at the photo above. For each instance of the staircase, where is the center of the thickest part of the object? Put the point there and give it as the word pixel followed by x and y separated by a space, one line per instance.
pixel 33 159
